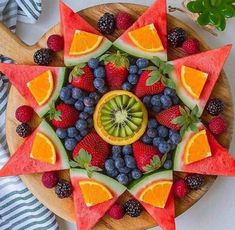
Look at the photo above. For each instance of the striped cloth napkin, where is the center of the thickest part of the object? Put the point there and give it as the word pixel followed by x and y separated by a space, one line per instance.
pixel 19 209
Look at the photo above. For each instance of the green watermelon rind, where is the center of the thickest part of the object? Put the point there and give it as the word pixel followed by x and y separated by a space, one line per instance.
pixel 135 51
pixel 61 79
pixel 148 179
pixel 109 182
pixel 74 60
pixel 45 128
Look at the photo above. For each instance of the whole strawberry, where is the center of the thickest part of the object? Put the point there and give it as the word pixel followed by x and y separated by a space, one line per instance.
pixel 24 113
pixel 82 77
pixel 147 157
pixel 116 68
pixel 191 46
pixel 217 125
pixel 180 188
pixel 55 42
pixel 63 115
pixel 123 20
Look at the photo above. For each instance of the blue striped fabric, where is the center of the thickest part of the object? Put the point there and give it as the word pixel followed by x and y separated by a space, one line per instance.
pixel 19 209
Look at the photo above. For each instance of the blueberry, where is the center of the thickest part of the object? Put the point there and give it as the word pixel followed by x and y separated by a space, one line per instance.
pixel 116 155
pixel 79 105
pixel 119 163
pixel 122 178
pixel 133 69
pixel 168 164
pixel 132 79
pixel 70 143
pixel 152 133
pixel 147 100
pixel 156 109
pixel 72 132
pixel 142 63
pixel 175 138
pixel 95 96
pixel 172 131
pixel 81 124
pixel 155 100
pixel 162 131
pixel 127 149
pixel 166 101
pixel 127 86
pixel 76 93
pixel 124 170
pixel 61 133
pixel 140 71
pixel 90 122
pixel 146 139
pixel 93 63
pixel 65 93
pixel 99 72
pixel 175 100
pixel 130 162
pixel 83 132
pixel 78 137
pixel 82 97
pixel 88 101
pixel 164 147
pixel 169 156
pixel 83 115
pixel 69 86
pixel 169 92
pixel 173 146
pixel 116 149
pixel 132 60
pixel 112 173
pixel 152 123
pixel 109 165
pixel 157 141
pixel 99 83
pixel 89 110
pixel 103 89
pixel 136 174
pixel 70 101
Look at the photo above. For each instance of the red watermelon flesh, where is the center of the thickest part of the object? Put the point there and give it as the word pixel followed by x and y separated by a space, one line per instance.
pixel 21 163
pixel 211 62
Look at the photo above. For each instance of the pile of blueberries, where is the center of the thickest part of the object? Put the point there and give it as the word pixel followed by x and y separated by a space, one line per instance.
pixel 122 165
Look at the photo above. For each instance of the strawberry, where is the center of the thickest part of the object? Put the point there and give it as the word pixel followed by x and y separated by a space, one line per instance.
pixel 148 158
pixel 116 66
pixel 82 77
pixel 63 115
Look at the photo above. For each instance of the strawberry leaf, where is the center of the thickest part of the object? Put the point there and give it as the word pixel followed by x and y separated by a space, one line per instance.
pixel 53 113
pixel 151 68
pixel 155 163
pixel 170 83
pixel 77 70
pixel 154 78
pixel 168 68
pixel 163 159
pixel 156 61
pixel 73 164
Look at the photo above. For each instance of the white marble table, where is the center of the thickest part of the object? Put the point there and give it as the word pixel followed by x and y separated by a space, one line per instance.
pixel 216 210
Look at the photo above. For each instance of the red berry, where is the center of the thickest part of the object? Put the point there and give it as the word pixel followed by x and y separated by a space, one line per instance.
pixel 116 212
pixel 24 113
pixel 180 188
pixel 55 42
pixel 50 179
pixel 191 46
pixel 123 21
pixel 217 125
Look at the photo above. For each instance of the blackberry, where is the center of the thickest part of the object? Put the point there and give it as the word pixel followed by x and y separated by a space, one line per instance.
pixel 133 208
pixel 215 107
pixel 176 37
pixel 43 56
pixel 63 189
pixel 106 23
pixel 23 130
pixel 194 181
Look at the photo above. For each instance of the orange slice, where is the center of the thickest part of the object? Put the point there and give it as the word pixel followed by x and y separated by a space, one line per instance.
pixel 146 38
pixel 84 42
pixel 41 87
pixel 43 149
pixel 193 80
pixel 157 193
pixel 197 148
pixel 94 193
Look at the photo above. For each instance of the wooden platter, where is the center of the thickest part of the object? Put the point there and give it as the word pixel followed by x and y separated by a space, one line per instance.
pixel 12 47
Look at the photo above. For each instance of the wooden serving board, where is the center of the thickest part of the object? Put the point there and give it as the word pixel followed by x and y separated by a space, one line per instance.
pixel 12 47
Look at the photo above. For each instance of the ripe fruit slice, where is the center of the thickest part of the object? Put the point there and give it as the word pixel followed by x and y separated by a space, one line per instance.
pixel 22 163
pixel 84 42
pixel 70 22
pixel 155 15
pixel 210 62
pixel 20 75
pixel 43 149
pixel 157 193
pixel 41 87
pixel 197 148
pixel 87 217
pixel 120 118
pixel 165 217
pixel 193 80
pixel 89 188
pixel 150 42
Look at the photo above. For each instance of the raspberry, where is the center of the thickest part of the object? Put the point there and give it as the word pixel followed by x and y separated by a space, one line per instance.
pixel 50 179
pixel 55 42
pixel 191 46
pixel 63 189
pixel 24 113
pixel 123 21
pixel 215 106
pixel 176 37
pixel 43 56
pixel 23 130
pixel 133 208
pixel 194 181
pixel 116 212
pixel 217 125
pixel 180 188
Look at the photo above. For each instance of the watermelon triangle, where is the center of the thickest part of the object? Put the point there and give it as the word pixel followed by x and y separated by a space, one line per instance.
pixel 21 163
pixel 156 14
pixel 20 75
pixel 211 62
pixel 70 22
pixel 87 217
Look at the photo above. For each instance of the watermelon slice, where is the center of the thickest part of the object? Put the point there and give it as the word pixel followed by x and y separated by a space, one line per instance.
pixel 165 217
pixel 211 62
pixel 221 163
pixel 70 22
pixel 21 163
pixel 87 217
pixel 156 15
pixel 20 75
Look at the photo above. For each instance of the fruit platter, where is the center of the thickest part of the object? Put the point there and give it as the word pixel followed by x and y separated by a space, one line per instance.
pixel 120 115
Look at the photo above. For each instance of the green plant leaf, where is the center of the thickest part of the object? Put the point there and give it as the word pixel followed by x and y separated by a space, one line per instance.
pixel 227 11
pixel 203 19
pixel 206 4
pixel 222 25
pixel 191 7
pixel 156 61
pixel 214 19
pixel 216 3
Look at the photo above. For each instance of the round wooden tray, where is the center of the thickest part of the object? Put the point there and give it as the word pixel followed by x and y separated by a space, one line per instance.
pixel 22 53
